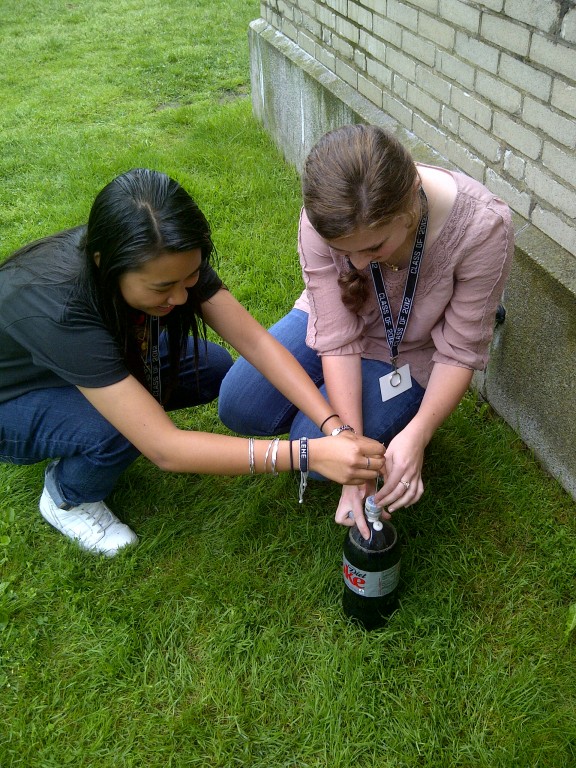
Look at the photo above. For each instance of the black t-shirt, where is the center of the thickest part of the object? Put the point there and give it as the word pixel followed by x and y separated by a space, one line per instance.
pixel 49 336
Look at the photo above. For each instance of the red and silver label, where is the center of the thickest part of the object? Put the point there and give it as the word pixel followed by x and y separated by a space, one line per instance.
pixel 370 583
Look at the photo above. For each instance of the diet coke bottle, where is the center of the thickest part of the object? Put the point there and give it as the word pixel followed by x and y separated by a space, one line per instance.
pixel 371 570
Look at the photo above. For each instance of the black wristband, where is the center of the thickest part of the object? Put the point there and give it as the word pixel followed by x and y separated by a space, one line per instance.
pixel 303 454
pixel 291 456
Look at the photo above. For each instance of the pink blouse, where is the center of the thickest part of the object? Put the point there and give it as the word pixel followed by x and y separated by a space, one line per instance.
pixel 461 280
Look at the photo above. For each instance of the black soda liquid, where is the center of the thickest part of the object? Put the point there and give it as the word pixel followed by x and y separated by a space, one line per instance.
pixel 371 572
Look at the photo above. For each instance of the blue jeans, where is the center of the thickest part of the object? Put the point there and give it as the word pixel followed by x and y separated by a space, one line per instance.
pixel 60 423
pixel 250 405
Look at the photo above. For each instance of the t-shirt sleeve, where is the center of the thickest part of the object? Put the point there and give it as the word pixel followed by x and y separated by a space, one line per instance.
pixel 209 283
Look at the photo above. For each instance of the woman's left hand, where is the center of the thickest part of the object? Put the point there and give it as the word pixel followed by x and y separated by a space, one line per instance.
pixel 404 458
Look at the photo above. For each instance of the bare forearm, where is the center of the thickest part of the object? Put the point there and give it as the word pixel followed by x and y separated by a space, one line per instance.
pixel 343 380
pixel 446 388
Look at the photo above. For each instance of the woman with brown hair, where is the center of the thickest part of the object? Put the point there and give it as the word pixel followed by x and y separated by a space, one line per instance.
pixel 404 265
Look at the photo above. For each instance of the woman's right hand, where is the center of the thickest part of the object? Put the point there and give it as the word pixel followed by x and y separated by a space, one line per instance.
pixel 347 458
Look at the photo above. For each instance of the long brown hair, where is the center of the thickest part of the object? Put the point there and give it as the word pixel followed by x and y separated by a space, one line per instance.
pixel 357 176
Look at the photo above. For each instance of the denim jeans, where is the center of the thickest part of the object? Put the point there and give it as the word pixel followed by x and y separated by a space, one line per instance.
pixel 250 405
pixel 59 423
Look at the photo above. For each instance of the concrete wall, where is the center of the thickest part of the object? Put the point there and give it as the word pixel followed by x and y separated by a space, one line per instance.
pixel 531 378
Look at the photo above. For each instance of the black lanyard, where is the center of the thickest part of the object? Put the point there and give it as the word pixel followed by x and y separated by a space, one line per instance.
pixel 153 369
pixel 394 335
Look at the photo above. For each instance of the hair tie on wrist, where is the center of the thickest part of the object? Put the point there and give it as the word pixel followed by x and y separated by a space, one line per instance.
pixel 332 416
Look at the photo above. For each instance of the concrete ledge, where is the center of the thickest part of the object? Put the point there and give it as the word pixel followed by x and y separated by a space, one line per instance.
pixel 531 379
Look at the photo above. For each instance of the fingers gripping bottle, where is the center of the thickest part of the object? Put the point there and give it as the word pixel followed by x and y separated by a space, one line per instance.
pixel 371 570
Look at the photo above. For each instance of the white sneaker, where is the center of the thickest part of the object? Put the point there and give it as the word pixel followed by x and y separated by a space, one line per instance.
pixel 92 525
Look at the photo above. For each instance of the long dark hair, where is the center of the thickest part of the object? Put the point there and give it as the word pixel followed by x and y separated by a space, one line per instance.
pixel 356 176
pixel 138 216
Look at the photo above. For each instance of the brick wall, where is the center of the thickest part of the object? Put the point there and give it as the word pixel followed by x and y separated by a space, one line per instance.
pixel 490 85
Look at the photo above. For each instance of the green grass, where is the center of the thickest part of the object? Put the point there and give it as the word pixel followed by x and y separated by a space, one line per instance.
pixel 219 640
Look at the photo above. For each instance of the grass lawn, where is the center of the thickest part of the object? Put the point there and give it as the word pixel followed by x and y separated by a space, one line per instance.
pixel 219 641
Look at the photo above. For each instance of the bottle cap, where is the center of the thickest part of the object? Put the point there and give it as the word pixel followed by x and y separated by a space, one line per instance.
pixel 371 509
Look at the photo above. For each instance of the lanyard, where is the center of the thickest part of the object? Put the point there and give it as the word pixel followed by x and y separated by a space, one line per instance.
pixel 394 335
pixel 153 369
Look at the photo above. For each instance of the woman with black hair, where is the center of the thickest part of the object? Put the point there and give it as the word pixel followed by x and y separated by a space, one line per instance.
pixel 103 331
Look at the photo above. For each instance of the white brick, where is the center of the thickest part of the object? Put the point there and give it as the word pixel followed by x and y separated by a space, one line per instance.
pixel 541 14
pixel 307 6
pixel 524 76
pixel 432 84
pixel 342 47
pixel 402 14
pixel 388 31
pixel 514 165
pixel 307 43
pixel 426 5
pixel 432 29
pixel 555 56
pixel 360 15
pixel 379 72
pixel 374 5
pixel 290 30
pixel 341 6
pixel 569 27
pixel 549 190
pixel 517 200
pixel 372 45
pixel 480 141
pixel 419 49
pixel 493 5
pixel 347 73
pixel 471 107
pixel 517 136
pixel 400 87
pixel 311 26
pixel 460 14
pixel 560 162
pixel 455 69
pixel 370 90
pixel 360 61
pixel 347 30
pixel 498 93
pixel 422 102
pixel 464 159
pixel 553 226
pixel 325 17
pixel 430 134
pixel 398 110
pixel 401 64
pixel 469 49
pixel 564 97
pixel 511 36
pixel 327 58
pixel 558 127
pixel 450 119
pixel 285 10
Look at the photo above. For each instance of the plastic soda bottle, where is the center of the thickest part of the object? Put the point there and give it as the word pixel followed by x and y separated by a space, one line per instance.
pixel 371 570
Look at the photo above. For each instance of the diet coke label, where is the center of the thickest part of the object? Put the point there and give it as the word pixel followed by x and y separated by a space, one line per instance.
pixel 370 583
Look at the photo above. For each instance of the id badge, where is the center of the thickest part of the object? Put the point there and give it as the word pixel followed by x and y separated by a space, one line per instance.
pixel 395 383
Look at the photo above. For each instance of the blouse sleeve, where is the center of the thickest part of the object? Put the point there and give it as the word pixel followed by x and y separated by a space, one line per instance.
pixel 332 329
pixel 462 335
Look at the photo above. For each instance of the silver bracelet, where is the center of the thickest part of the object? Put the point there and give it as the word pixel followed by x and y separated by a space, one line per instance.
pixel 251 455
pixel 275 455
pixel 267 454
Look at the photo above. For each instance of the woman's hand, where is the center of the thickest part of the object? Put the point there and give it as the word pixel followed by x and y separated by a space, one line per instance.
pixel 347 458
pixel 403 484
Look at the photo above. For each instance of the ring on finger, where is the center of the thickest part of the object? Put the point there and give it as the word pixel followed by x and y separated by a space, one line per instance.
pixel 367 462
pixel 406 484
